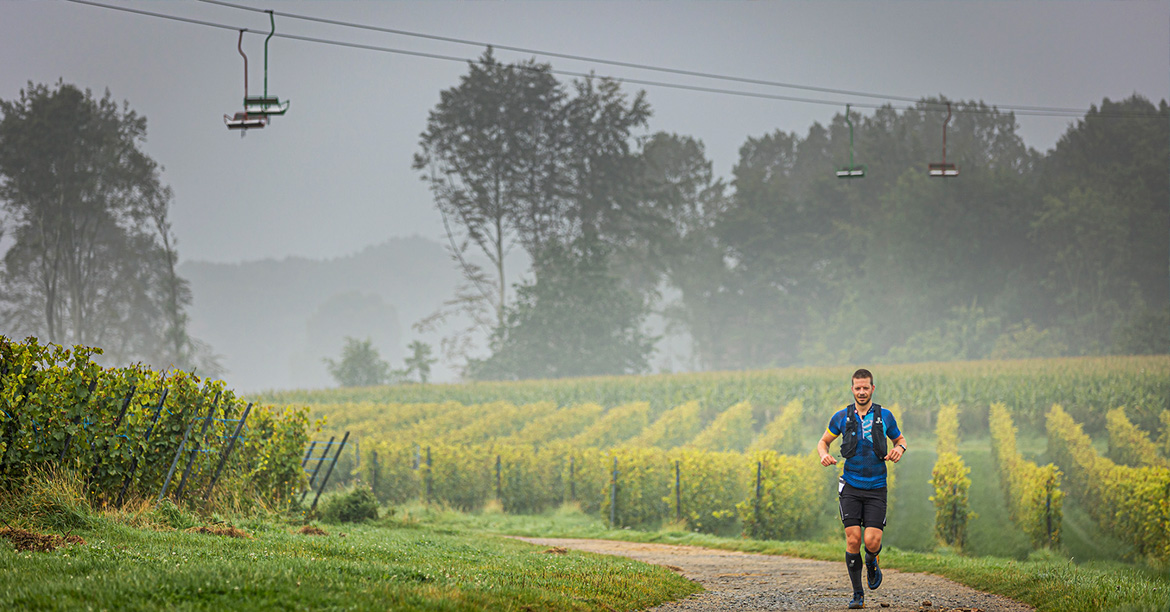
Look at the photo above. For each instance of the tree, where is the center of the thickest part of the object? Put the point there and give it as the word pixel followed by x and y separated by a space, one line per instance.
pixel 575 319
pixel 1085 238
pixel 360 364
pixel 484 154
pixel 93 254
pixel 1112 163
pixel 420 360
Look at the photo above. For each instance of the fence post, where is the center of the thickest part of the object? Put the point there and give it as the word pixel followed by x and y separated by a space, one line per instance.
pixel 427 495
pixel 228 451
pixel 677 492
pixel 330 471
pixel 613 495
pixel 313 478
pixel 374 473
pixel 1048 507
pixel 179 453
pixel 309 453
pixel 195 450
pixel 146 439
pixel 759 493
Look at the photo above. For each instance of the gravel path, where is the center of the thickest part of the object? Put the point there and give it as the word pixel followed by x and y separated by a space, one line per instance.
pixel 743 582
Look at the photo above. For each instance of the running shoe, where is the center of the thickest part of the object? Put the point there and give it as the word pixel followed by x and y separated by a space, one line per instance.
pixel 873 574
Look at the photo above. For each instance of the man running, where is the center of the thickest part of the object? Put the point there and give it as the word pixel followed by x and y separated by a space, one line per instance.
pixel 862 487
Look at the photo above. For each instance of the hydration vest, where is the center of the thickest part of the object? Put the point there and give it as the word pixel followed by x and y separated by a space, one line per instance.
pixel 851 434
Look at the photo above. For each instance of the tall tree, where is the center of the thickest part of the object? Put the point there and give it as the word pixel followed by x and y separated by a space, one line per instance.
pixel 514 159
pixel 92 261
pixel 484 155
pixel 1112 162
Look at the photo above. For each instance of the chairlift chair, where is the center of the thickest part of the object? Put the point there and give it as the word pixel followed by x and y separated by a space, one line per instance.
pixel 266 105
pixel 852 170
pixel 244 120
pixel 943 169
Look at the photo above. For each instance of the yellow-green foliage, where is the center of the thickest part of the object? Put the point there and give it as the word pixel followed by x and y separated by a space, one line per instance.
pixel 617 426
pixel 1032 492
pixel 1164 439
pixel 645 478
pixel 950 481
pixel 951 511
pixel 530 479
pixel 793 492
pixel 461 477
pixel 1129 445
pixel 730 431
pixel 501 420
pixel 675 427
pixel 397 479
pixel 448 417
pixel 709 485
pixel 587 473
pixel 364 419
pixel 946 429
pixel 891 469
pixel 563 423
pixel 1082 384
pixel 1131 503
pixel 59 408
pixel 783 434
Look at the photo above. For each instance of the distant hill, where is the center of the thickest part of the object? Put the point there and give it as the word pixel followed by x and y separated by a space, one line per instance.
pixel 274 321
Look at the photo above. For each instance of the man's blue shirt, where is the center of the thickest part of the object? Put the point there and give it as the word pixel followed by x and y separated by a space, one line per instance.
pixel 865 470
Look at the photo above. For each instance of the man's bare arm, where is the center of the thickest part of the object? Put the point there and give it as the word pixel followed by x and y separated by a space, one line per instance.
pixel 823 449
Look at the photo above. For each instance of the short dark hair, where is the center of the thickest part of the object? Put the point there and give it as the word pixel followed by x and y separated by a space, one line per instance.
pixel 863 373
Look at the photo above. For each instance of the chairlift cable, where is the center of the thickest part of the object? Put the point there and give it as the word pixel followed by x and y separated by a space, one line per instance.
pixel 1034 111
pixel 624 64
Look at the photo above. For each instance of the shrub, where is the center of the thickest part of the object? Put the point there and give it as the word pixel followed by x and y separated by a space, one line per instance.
pixel 357 504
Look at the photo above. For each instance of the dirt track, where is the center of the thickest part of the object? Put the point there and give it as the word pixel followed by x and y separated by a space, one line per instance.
pixel 743 582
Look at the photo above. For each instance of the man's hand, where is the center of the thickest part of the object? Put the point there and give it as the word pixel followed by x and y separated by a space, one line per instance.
pixel 827 460
pixel 894 455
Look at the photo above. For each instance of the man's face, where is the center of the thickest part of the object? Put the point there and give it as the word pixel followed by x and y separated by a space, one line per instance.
pixel 862 390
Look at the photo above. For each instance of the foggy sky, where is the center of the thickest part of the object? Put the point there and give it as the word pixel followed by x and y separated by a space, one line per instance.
pixel 333 175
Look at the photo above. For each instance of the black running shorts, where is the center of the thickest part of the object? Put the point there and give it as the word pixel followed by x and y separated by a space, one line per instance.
pixel 862 507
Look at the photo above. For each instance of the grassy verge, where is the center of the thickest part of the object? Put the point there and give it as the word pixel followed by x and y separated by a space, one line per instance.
pixel 1044 580
pixel 133 561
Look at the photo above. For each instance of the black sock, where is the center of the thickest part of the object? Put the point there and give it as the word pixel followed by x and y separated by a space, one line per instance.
pixel 853 564
pixel 871 557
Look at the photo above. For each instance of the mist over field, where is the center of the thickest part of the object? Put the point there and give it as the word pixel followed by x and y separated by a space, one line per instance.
pixel 506 214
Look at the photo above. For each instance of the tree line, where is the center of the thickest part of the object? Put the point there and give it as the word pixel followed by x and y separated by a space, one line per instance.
pixel 1024 254
pixel 91 253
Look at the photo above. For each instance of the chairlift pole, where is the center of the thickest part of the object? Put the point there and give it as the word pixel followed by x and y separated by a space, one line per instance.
pixel 240 48
pixel 271 18
pixel 945 123
pixel 850 171
pixel 849 121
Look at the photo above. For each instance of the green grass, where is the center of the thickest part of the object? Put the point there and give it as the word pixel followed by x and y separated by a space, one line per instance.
pixel 1045 580
pixel 991 531
pixel 374 567
pixel 910 518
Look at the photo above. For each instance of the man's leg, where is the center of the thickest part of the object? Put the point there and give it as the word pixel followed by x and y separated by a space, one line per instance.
pixel 853 564
pixel 873 548
pixel 874 513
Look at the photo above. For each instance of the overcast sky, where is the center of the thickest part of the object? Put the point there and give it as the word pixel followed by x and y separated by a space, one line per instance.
pixel 333 175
